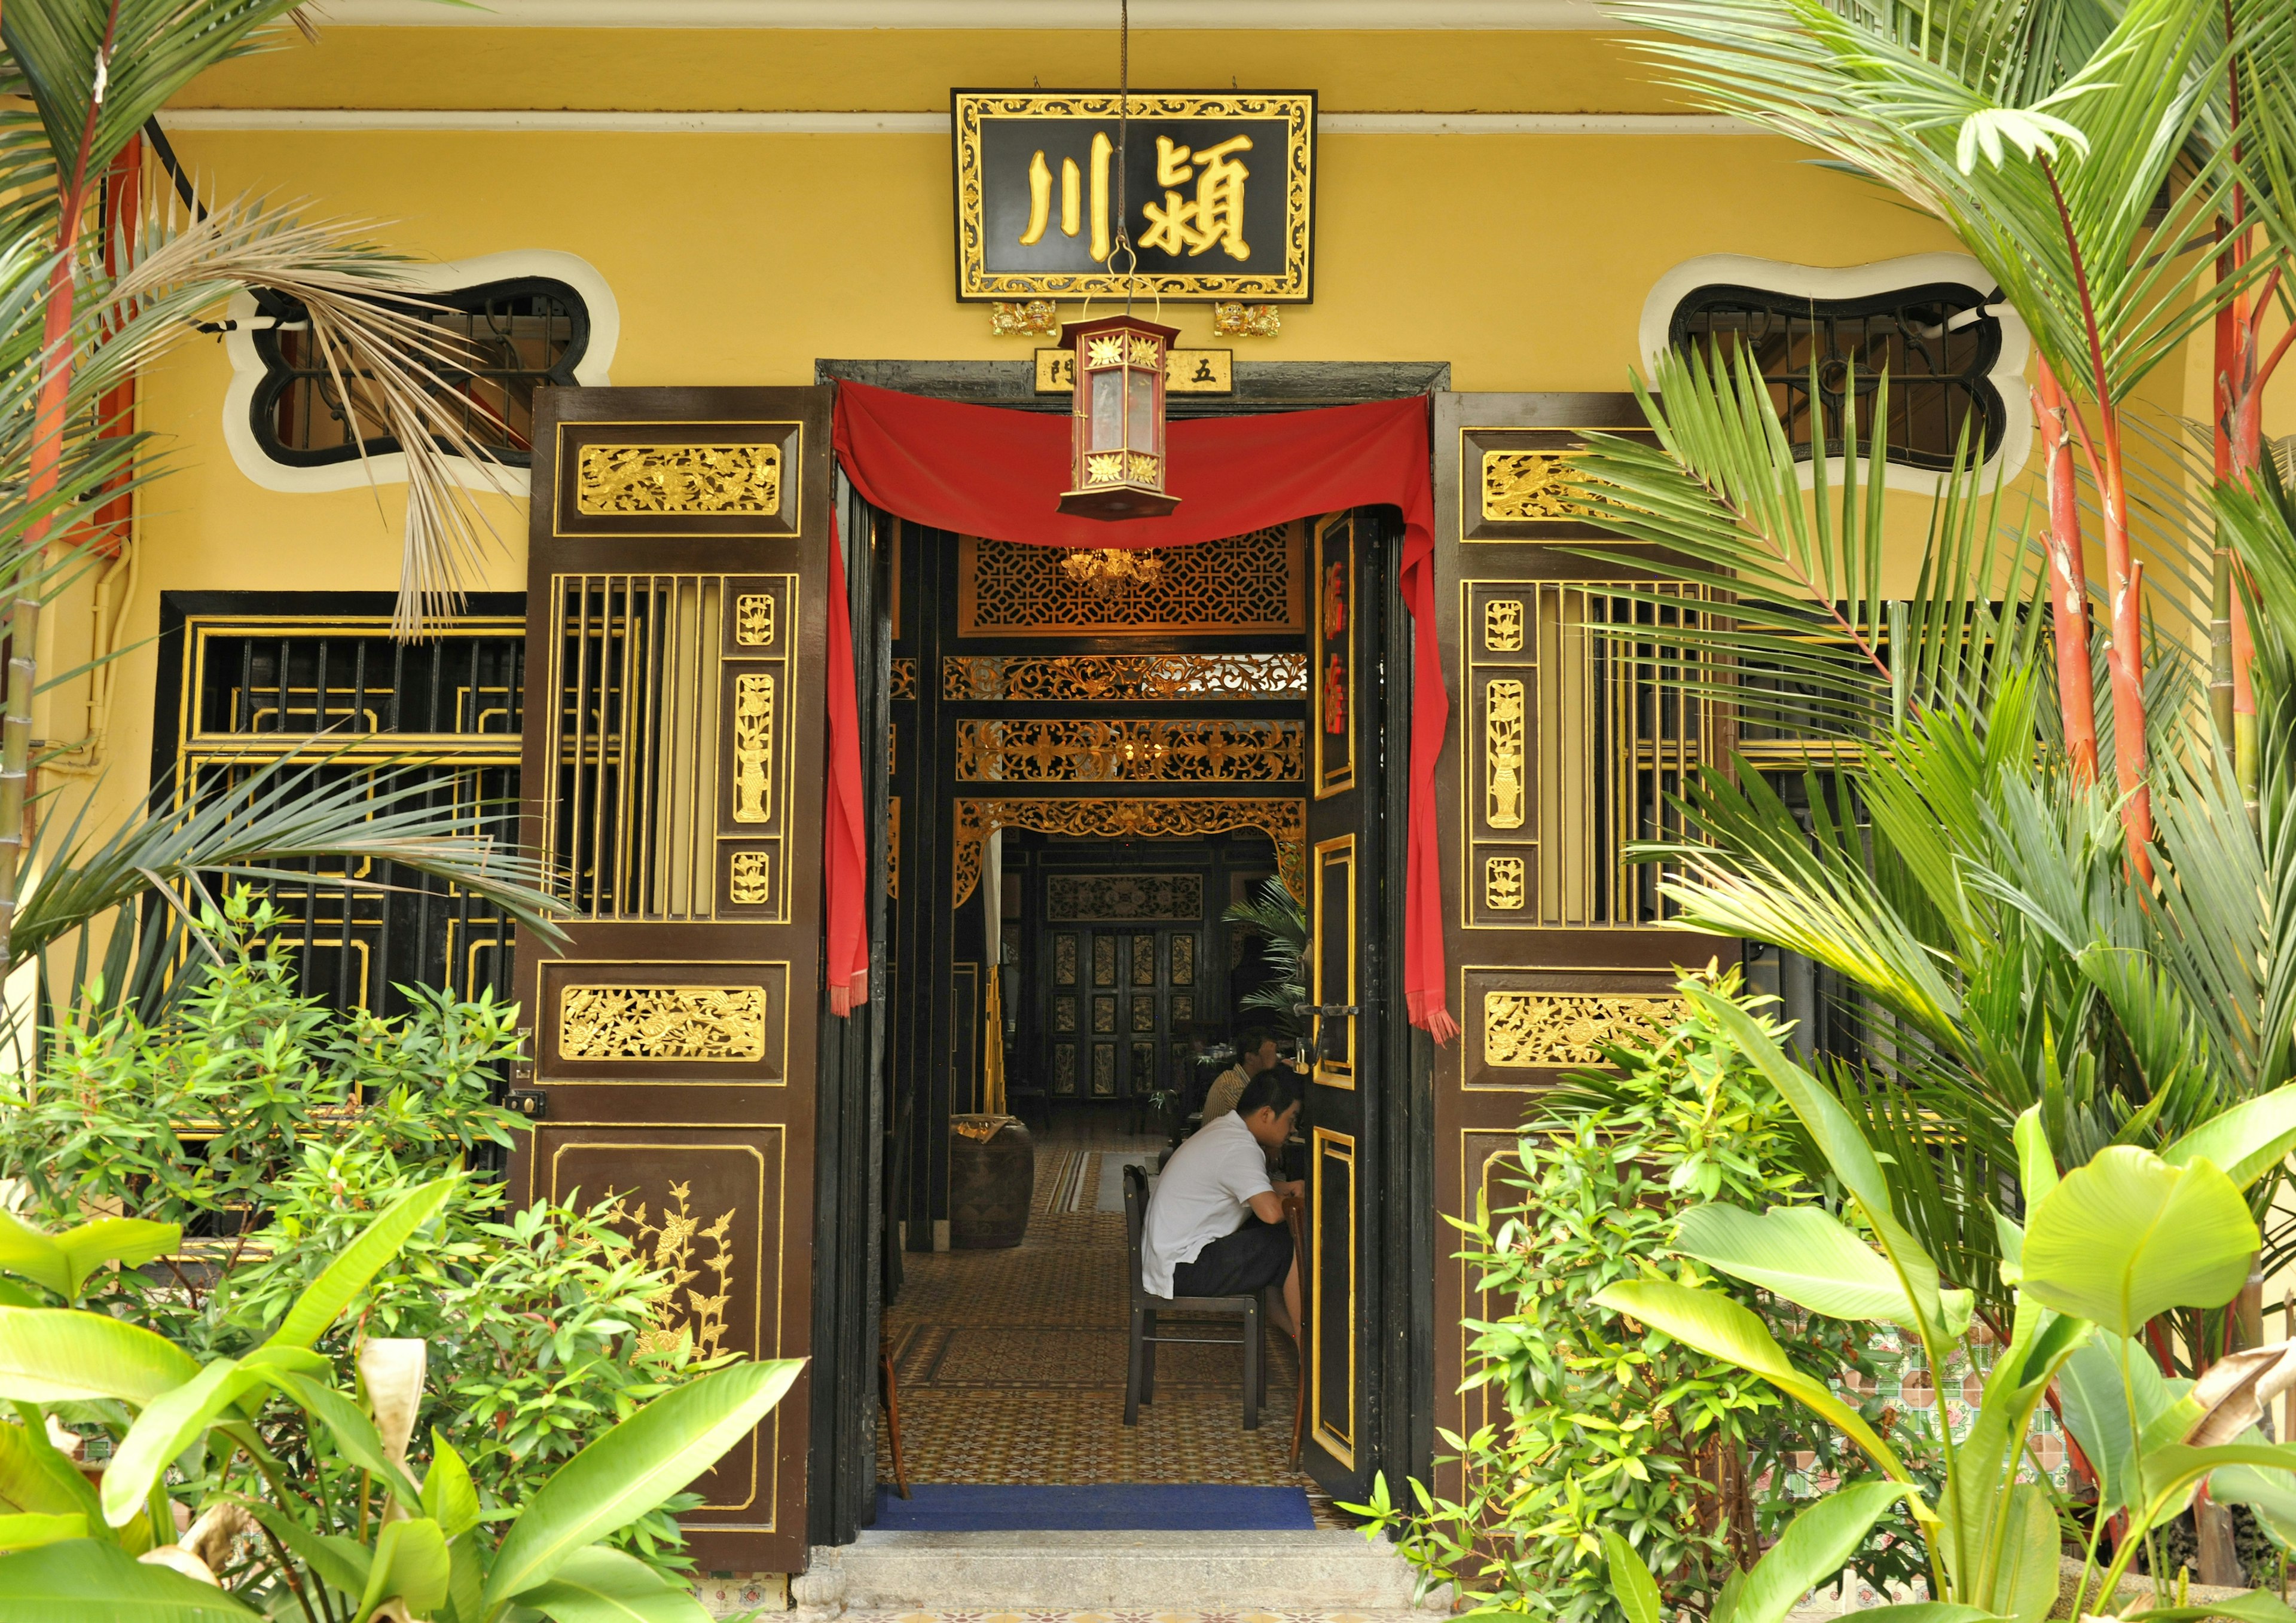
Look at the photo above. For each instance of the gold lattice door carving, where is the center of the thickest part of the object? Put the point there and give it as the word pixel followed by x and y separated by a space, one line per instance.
pixel 1251 582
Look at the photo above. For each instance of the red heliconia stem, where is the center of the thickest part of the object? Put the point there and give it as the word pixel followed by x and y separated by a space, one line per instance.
pixel 2068 580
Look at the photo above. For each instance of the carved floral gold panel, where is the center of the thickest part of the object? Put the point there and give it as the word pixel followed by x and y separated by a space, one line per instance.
pixel 1280 817
pixel 753 747
pixel 1103 1070
pixel 1086 751
pixel 1064 960
pixel 1104 677
pixel 1504 883
pixel 688 1318
pixel 1244 583
pixel 1103 1013
pixel 661 1022
pixel 1528 1029
pixel 1065 1069
pixel 753 619
pixel 748 881
pixel 1529 485
pixel 905 677
pixel 1122 897
pixel 1144 961
pixel 1065 1013
pixel 1502 754
pixel 622 479
pixel 1143 1012
pixel 1503 625
pixel 1183 963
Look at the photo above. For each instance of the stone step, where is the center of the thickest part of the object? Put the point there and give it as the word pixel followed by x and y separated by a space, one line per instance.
pixel 1328 1570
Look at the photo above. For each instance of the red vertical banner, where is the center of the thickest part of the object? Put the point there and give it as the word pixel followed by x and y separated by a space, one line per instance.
pixel 845 849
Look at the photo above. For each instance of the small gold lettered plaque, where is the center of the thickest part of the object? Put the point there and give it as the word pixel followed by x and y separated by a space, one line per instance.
pixel 1186 371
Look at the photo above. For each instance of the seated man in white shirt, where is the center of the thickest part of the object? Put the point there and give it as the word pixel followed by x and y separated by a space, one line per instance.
pixel 1215 1223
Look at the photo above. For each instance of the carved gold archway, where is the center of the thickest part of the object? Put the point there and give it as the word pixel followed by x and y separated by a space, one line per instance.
pixel 1283 820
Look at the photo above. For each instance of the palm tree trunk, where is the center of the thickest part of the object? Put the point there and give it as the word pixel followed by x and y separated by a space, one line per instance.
pixel 2124 660
pixel 2067 580
pixel 45 472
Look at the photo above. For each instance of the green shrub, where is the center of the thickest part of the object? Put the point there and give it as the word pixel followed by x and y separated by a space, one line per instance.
pixel 1598 1424
pixel 272 1130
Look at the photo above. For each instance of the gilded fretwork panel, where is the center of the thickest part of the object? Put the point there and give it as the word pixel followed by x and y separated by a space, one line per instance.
pixel 1250 582
pixel 1215 751
pixel 1541 1030
pixel 753 746
pixel 1122 899
pixel 1575 743
pixel 905 677
pixel 703 481
pixel 661 1022
pixel 1283 819
pixel 1529 485
pixel 1102 677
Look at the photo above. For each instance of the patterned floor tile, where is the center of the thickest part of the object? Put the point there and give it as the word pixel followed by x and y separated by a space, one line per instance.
pixel 1010 1366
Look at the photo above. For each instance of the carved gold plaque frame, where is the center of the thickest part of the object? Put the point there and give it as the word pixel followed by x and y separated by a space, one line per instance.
pixel 1283 820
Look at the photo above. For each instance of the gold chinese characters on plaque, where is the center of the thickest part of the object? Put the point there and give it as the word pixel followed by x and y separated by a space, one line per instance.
pixel 623 479
pixel 1532 1030
pixel 753 747
pixel 1521 486
pixel 661 1022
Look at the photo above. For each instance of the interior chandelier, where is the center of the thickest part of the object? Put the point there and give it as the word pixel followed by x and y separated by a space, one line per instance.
pixel 1107 571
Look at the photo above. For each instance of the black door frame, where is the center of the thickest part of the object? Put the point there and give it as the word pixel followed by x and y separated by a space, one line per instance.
pixel 850 1262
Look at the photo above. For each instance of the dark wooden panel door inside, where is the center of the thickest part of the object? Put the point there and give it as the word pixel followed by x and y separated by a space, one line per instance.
pixel 673 761
pixel 1340 1118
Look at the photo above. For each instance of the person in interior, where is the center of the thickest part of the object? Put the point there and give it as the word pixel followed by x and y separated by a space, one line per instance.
pixel 1255 1052
pixel 1215 1225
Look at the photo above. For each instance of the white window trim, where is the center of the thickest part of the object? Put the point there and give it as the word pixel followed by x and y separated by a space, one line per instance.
pixel 1858 281
pixel 247 371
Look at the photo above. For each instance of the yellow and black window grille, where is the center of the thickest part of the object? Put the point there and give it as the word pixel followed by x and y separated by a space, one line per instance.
pixel 248 680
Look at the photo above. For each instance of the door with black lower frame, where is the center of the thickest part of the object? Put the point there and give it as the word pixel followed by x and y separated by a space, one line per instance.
pixel 1348 933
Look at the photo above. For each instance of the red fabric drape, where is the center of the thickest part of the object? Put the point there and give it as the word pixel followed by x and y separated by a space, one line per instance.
pixel 845 851
pixel 980 470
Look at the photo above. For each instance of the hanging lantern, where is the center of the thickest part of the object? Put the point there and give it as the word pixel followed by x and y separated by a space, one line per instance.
pixel 1116 465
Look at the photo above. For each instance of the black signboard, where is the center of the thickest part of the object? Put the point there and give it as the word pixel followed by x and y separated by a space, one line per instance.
pixel 1217 197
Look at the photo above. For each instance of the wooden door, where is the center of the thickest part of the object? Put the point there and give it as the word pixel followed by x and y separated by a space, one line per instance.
pixel 1340 1120
pixel 1116 996
pixel 678 588
pixel 1562 748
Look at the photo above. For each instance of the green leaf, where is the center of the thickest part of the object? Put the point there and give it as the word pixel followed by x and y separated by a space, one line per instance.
pixel 347 1427
pixel 2096 1411
pixel 1631 1583
pixel 449 1498
pixel 1837 1137
pixel 36 1477
pixel 341 1563
pixel 1714 1325
pixel 2026 1585
pixel 1925 1612
pixel 602 1585
pixel 1815 1548
pixel 466 1580
pixel 633 1468
pixel 26 1532
pixel 410 1565
pixel 2128 1236
pixel 61 1355
pixel 362 1259
pixel 62 1263
pixel 2171 1472
pixel 2247 1141
pixel 2270 1496
pixel 82 1577
pixel 2037 1164
pixel 163 1430
pixel 1801 1253
pixel 2256 1606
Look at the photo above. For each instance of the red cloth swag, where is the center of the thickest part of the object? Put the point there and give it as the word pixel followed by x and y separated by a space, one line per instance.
pixel 845 851
pixel 983 471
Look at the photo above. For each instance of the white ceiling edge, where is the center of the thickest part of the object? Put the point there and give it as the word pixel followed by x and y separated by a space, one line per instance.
pixel 510 121
pixel 1385 15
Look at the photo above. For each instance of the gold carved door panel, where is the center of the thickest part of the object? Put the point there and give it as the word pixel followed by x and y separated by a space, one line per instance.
pixel 678 589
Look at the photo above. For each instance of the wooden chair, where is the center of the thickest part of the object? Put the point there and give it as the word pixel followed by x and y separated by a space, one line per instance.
pixel 892 1393
pixel 1140 1370
pixel 1295 1214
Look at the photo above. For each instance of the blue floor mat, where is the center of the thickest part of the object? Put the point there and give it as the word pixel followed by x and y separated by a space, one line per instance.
pixel 981 1507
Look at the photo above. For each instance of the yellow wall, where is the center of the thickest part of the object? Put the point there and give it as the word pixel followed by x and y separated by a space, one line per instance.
pixel 1521 259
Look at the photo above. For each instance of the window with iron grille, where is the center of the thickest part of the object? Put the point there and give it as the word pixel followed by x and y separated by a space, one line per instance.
pixel 1936 343
pixel 250 677
pixel 509 338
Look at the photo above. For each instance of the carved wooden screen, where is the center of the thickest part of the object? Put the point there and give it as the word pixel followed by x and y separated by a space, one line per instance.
pixel 1342 1119
pixel 1563 747
pixel 677 585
